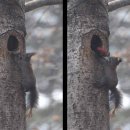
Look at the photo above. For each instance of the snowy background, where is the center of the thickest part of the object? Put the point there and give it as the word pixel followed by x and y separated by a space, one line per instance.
pixel 44 36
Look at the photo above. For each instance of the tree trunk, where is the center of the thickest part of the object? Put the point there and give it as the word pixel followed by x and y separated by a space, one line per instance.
pixel 12 33
pixel 87 106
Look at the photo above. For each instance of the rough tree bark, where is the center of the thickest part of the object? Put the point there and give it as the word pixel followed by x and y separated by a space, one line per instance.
pixel 12 34
pixel 12 42
pixel 87 106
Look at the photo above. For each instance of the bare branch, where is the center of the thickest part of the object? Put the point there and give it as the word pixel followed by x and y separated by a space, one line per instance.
pixel 113 5
pixel 29 6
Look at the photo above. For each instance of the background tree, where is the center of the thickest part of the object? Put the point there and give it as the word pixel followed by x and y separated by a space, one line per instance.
pixel 44 36
pixel 87 106
pixel 119 46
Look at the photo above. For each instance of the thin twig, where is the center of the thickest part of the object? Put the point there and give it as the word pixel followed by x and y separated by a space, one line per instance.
pixel 29 6
pixel 113 5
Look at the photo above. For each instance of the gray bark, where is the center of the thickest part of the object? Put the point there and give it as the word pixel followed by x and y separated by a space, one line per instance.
pixel 87 106
pixel 12 103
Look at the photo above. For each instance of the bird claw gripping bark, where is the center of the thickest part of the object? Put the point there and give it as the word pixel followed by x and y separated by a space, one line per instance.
pixel 29 113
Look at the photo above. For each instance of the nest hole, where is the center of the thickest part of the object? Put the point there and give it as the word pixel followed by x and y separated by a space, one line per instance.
pixel 96 42
pixel 12 44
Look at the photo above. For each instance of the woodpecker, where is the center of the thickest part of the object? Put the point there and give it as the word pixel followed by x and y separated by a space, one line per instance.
pixel 100 51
